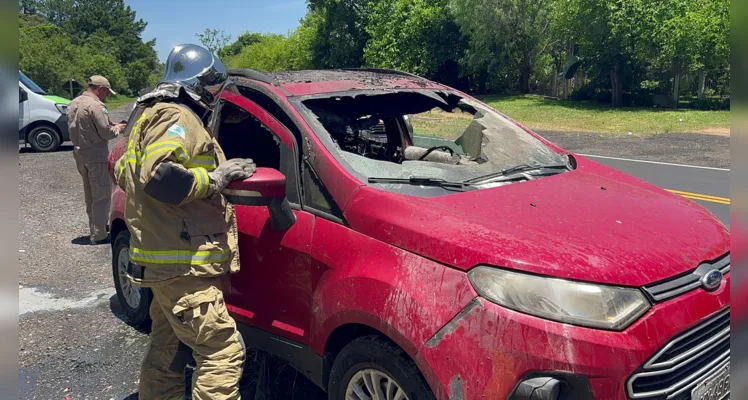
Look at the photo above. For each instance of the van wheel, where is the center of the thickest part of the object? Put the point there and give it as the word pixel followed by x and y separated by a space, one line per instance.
pixel 44 139
pixel 373 368
pixel 134 301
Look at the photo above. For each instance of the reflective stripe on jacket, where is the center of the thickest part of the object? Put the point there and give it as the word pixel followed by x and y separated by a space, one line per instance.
pixel 194 232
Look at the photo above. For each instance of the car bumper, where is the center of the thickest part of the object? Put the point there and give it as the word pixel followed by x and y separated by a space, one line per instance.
pixel 489 352
pixel 62 125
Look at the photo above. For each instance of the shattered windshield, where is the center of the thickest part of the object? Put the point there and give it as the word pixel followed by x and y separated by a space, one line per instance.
pixel 425 134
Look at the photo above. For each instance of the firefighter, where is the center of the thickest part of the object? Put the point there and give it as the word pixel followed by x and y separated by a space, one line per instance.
pixel 183 232
pixel 90 132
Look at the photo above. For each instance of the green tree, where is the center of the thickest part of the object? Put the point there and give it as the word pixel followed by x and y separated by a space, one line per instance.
pixel 506 36
pixel 214 39
pixel 244 40
pixel 340 34
pixel 612 38
pixel 108 28
pixel 47 55
pixel 274 52
pixel 417 36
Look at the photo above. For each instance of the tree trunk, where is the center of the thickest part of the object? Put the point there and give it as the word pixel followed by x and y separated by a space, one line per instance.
pixel 702 83
pixel 524 84
pixel 555 83
pixel 616 92
pixel 676 89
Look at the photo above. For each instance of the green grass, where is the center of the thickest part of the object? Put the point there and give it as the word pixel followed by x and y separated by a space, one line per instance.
pixel 539 113
pixel 438 123
pixel 113 102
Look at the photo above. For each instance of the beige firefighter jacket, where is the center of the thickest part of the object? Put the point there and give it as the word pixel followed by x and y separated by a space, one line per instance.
pixel 90 128
pixel 179 224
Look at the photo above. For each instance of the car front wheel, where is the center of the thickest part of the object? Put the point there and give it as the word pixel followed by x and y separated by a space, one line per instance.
pixel 134 301
pixel 371 367
pixel 44 139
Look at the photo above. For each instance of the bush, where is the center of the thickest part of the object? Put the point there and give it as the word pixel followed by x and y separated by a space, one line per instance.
pixel 711 103
pixel 275 52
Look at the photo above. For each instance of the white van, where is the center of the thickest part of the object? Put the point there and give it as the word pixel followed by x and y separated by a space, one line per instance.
pixel 42 118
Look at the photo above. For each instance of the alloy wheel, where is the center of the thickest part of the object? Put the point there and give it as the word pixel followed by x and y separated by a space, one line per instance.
pixel 372 384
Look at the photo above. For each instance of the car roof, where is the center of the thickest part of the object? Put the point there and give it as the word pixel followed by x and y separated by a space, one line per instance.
pixel 312 82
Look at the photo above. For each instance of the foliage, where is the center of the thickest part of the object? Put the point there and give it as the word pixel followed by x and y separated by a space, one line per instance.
pixel 274 52
pixel 506 37
pixel 632 52
pixel 340 34
pixel 244 40
pixel 214 39
pixel 74 39
pixel 416 36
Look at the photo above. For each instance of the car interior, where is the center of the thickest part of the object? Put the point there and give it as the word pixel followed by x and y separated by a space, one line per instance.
pixel 241 135
pixel 380 127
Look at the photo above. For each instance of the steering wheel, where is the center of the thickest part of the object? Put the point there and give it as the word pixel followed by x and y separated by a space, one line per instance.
pixel 431 149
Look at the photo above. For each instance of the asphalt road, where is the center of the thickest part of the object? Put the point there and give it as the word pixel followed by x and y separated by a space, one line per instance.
pixel 709 187
pixel 72 341
pixel 691 164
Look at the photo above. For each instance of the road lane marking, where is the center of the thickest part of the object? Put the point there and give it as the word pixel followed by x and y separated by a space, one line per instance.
pixel 654 162
pixel 702 197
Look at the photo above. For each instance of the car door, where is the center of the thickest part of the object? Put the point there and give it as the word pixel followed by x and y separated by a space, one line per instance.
pixel 273 289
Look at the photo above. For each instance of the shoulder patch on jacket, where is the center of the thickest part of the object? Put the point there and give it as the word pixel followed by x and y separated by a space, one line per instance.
pixel 105 110
pixel 176 130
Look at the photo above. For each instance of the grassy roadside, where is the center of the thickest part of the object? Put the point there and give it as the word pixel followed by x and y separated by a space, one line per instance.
pixel 113 102
pixel 535 112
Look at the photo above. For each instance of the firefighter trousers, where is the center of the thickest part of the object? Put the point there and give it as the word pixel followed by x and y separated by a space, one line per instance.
pixel 192 310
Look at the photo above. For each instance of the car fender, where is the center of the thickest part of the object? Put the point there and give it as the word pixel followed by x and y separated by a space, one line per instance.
pixel 404 296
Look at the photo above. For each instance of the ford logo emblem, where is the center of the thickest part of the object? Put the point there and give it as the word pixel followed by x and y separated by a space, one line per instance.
pixel 711 280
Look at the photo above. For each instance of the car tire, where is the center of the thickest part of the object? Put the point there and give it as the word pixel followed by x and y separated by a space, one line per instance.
pixel 135 302
pixel 373 356
pixel 44 139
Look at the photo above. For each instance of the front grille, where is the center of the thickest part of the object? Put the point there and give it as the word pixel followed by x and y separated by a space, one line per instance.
pixel 670 288
pixel 684 361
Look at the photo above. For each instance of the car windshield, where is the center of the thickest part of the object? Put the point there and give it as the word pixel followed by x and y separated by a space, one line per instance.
pixel 425 134
pixel 30 84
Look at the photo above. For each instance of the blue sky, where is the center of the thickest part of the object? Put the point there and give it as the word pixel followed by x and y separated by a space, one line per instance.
pixel 176 22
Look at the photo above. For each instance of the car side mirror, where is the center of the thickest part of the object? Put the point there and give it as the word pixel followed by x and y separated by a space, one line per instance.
pixel 267 187
pixel 22 95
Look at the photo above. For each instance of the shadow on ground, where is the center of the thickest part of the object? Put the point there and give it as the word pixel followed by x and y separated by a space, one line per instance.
pixel 265 377
pixel 117 311
pixel 82 241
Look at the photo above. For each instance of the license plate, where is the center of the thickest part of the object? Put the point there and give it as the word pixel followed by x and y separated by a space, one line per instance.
pixel 715 387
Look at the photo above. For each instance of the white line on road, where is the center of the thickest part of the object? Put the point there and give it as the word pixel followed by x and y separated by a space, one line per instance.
pixel 655 162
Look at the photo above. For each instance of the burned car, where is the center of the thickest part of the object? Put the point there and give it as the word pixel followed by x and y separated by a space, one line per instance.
pixel 441 250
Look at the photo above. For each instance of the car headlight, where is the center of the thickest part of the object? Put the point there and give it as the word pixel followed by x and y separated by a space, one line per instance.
pixel 576 303
pixel 62 108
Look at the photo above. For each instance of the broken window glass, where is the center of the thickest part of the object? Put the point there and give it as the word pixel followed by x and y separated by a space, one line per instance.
pixel 423 133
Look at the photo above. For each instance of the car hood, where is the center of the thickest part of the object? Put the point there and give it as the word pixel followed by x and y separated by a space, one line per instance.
pixel 592 224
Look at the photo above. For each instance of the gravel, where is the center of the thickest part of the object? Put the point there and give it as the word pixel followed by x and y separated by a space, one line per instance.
pixel 87 352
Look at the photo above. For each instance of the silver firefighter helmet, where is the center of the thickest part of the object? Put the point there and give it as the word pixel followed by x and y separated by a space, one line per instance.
pixel 199 72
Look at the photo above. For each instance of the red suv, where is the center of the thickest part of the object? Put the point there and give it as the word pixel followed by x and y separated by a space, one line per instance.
pixel 441 250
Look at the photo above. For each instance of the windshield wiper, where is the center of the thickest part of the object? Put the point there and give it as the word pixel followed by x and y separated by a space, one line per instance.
pixel 421 181
pixel 517 169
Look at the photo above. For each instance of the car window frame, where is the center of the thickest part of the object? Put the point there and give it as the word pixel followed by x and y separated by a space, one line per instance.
pixel 278 130
pixel 298 132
